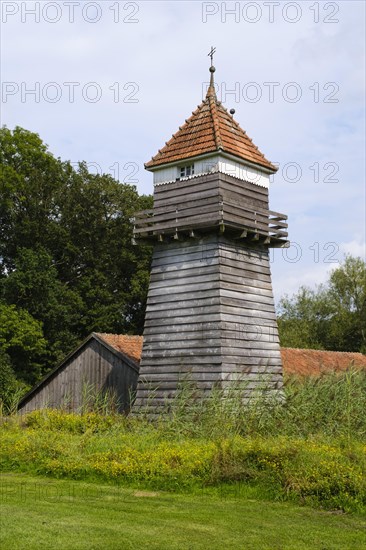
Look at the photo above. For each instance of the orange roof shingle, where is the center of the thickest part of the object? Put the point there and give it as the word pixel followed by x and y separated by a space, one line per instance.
pixel 210 128
pixel 129 345
pixel 311 362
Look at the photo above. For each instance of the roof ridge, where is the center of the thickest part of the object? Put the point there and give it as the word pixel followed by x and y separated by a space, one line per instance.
pixel 216 126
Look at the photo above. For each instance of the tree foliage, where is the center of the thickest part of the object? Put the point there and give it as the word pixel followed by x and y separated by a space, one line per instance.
pixel 331 317
pixel 66 253
pixel 21 339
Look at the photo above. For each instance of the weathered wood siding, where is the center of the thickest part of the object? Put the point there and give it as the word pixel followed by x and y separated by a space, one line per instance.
pixel 196 188
pixel 210 313
pixel 249 338
pixel 203 203
pixel 93 367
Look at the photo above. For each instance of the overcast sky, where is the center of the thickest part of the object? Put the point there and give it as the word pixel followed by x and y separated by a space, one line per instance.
pixel 112 81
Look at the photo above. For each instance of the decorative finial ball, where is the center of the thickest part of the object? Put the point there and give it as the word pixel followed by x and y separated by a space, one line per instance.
pixel 212 69
pixel 232 111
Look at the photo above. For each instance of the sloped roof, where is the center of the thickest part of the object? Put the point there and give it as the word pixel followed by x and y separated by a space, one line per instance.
pixel 307 362
pixel 304 362
pixel 209 129
pixel 128 345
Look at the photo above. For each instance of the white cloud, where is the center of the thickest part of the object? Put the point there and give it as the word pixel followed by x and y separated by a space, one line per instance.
pixel 355 248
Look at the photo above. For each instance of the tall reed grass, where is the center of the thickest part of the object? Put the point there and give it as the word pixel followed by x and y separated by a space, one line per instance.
pixel 333 404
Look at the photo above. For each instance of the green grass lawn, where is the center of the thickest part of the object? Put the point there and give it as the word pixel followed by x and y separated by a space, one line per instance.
pixel 38 512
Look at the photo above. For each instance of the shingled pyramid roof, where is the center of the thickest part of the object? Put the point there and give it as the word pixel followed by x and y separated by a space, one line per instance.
pixel 210 129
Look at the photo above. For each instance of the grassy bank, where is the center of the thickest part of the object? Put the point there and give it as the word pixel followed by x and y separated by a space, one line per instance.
pixel 309 449
pixel 46 513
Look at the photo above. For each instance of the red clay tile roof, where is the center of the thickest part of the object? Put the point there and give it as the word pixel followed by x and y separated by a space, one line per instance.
pixel 129 345
pixel 303 362
pixel 306 362
pixel 210 128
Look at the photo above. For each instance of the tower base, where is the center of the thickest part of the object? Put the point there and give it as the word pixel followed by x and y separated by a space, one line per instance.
pixel 210 317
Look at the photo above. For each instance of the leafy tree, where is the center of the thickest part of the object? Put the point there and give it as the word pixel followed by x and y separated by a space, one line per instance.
pixel 30 179
pixel 66 253
pixel 21 341
pixel 8 381
pixel 34 286
pixel 302 317
pixel 347 294
pixel 100 262
pixel 333 316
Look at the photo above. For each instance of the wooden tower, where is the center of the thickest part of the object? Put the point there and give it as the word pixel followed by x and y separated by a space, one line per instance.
pixel 210 312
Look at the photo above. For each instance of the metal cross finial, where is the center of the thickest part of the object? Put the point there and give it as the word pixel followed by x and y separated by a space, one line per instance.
pixel 211 54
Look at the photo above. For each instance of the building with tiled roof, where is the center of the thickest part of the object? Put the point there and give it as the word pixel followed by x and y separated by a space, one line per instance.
pixel 103 363
pixel 110 362
pixel 210 285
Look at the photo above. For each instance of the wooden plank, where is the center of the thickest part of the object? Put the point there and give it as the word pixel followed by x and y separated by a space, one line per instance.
pixel 184 321
pixel 182 292
pixel 244 353
pixel 274 371
pixel 161 202
pixel 183 359
pixel 186 247
pixel 230 279
pixel 181 211
pixel 247 301
pixel 239 307
pixel 175 353
pixel 255 356
pixel 243 196
pixel 172 192
pixel 241 251
pixel 182 312
pixel 241 264
pixel 224 346
pixel 241 186
pixel 192 303
pixel 207 199
pixel 173 259
pixel 167 282
pixel 185 370
pixel 183 342
pixel 256 292
pixel 162 338
pixel 248 316
pixel 211 295
pixel 210 219
pixel 172 386
pixel 246 215
pixel 204 295
pixel 192 330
